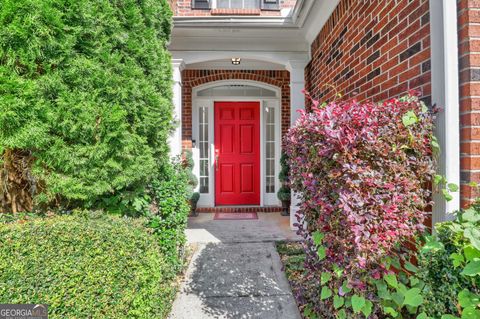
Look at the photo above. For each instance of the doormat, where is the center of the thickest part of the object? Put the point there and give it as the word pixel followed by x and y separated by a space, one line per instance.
pixel 235 216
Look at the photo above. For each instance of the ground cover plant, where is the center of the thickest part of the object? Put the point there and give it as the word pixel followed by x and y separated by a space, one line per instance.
pixel 449 267
pixel 362 171
pixel 85 265
pixel 85 100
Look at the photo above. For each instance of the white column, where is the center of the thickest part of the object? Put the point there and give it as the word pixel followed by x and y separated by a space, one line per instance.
pixel 176 138
pixel 444 46
pixel 297 102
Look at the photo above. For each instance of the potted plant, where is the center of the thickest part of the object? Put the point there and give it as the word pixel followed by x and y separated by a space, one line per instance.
pixel 192 181
pixel 284 193
pixel 193 203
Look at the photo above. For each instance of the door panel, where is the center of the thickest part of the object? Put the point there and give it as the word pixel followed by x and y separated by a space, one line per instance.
pixel 237 153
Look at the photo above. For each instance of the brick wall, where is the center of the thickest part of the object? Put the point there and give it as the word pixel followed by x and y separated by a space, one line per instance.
pixel 184 8
pixel 372 49
pixel 193 78
pixel 469 65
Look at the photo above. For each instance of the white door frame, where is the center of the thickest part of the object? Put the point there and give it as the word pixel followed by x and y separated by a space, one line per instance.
pixel 208 199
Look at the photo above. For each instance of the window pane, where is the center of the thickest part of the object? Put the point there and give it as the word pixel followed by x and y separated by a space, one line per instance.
pixel 270 185
pixel 270 115
pixel 270 167
pixel 236 90
pixel 270 176
pixel 236 4
pixel 270 149
pixel 251 4
pixel 223 3
pixel 203 185
pixel 270 132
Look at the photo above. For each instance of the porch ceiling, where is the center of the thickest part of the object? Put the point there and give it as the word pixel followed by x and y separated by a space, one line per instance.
pixel 226 64
pixel 262 42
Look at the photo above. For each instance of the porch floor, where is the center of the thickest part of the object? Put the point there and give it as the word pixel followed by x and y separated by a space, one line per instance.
pixel 235 271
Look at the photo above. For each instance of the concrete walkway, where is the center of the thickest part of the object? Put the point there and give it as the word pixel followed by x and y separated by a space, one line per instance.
pixel 235 271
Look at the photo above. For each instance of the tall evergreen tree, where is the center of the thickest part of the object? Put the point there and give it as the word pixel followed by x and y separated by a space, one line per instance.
pixel 85 98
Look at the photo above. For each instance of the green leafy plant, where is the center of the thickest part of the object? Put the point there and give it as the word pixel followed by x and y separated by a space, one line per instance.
pixel 284 194
pixel 361 171
pixel 85 265
pixel 168 212
pixel 188 164
pixel 449 264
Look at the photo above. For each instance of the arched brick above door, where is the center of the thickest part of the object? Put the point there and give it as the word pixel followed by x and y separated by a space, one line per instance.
pixel 194 78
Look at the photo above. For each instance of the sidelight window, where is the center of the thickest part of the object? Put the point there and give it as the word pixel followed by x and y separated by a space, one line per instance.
pixel 270 149
pixel 203 146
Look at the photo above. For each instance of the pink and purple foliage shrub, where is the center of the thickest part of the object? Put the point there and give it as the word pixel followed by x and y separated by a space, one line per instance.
pixel 362 171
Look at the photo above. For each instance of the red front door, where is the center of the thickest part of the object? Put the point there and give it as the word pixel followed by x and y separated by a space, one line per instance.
pixel 237 153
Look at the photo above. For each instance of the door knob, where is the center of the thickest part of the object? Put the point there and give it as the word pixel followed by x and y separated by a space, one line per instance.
pixel 216 159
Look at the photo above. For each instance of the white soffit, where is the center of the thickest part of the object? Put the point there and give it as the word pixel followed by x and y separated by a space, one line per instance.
pixel 245 35
pixel 241 39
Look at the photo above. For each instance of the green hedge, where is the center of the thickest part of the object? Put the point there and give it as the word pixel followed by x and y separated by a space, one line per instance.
pixel 85 91
pixel 85 266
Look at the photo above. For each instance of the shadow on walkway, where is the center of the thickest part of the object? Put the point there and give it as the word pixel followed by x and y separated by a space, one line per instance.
pixel 235 273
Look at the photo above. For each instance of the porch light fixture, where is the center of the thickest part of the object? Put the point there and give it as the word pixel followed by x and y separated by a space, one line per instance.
pixel 236 61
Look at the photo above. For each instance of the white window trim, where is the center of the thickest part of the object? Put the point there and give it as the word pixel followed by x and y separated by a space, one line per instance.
pixel 214 5
pixel 208 199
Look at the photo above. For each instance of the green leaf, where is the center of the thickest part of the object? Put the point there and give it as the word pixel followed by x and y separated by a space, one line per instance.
pixel 410 267
pixel 317 238
pixel 391 280
pixel 325 277
pixel 367 309
pixel 471 215
pixel 337 270
pixel 452 187
pixel 382 290
pixel 396 263
pixel 414 281
pixel 474 235
pixel 338 302
pixel 390 311
pixel 438 179
pixel 398 298
pixel 342 314
pixel 473 184
pixel 431 244
pixel 449 317
pixel 402 288
pixel 345 287
pixel 326 293
pixel 358 302
pixel 322 253
pixel 435 145
pixel 468 299
pixel 470 313
pixel 409 118
pixel 471 253
pixel 413 297
pixel 448 197
pixel 423 315
pixel 472 268
pixel 308 311
pixel 457 259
